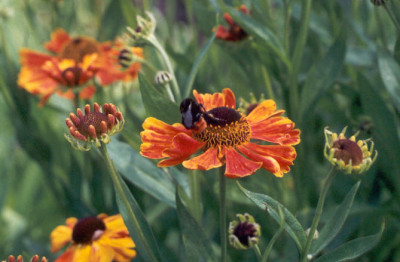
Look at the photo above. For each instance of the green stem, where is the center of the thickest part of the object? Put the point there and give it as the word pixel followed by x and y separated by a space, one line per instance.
pixel 394 20
pixel 297 57
pixel 153 40
pixel 288 10
pixel 222 215
pixel 318 212
pixel 195 195
pixel 118 187
pixel 258 252
pixel 267 80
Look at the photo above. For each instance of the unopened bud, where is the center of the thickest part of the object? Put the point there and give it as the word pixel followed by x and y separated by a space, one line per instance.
pixel 162 78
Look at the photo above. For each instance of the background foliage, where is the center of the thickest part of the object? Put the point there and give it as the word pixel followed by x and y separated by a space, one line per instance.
pixel 342 71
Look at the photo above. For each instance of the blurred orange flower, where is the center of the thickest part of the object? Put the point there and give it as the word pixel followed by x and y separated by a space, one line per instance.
pixel 234 32
pixel 102 238
pixel 212 124
pixel 74 62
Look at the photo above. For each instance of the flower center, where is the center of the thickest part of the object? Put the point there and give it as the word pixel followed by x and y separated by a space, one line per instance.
pixel 243 231
pixel 347 150
pixel 94 119
pixel 225 127
pixel 78 47
pixel 87 230
pixel 71 76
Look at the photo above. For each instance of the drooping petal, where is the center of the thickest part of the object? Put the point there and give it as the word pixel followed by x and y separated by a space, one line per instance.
pixel 61 235
pixel 182 147
pixel 59 39
pixel 277 129
pixel 283 154
pixel 68 255
pixel 239 166
pixel 210 101
pixel 101 252
pixel 268 163
pixel 83 253
pixel 205 161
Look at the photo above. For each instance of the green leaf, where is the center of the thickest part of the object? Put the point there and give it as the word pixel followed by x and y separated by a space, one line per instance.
pixel 390 74
pixel 335 223
pixel 292 225
pixel 197 245
pixel 144 174
pixel 148 251
pixel 129 12
pixel 397 50
pixel 156 104
pixel 353 248
pixel 253 27
pixel 111 21
pixel 196 65
pixel 322 76
pixel 384 133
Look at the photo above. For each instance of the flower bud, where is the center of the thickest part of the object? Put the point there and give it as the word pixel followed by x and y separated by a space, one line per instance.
pixel 245 233
pixel 162 78
pixel 144 30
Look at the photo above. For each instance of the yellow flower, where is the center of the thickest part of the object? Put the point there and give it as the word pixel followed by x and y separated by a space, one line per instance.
pixel 350 155
pixel 102 238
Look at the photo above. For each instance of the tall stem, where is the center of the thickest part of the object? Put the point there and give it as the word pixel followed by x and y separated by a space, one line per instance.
pixel 195 195
pixel 222 215
pixel 118 187
pixel 318 212
pixel 394 20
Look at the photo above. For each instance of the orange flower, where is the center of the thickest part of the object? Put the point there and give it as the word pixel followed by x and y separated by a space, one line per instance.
pixel 100 238
pixel 234 32
pixel 76 60
pixel 212 124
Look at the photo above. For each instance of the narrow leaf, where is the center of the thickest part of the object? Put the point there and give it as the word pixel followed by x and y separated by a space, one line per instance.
pixel 144 174
pixel 335 223
pixel 322 76
pixel 292 225
pixel 156 104
pixel 196 65
pixel 197 245
pixel 148 251
pixel 353 248
pixel 390 74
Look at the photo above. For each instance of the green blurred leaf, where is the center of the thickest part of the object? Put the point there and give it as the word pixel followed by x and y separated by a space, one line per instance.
pixel 128 11
pixel 385 132
pixel 112 21
pixel 292 225
pixel 353 248
pixel 253 27
pixel 322 76
pixel 196 65
pixel 335 223
pixel 148 251
pixel 156 104
pixel 397 50
pixel 390 74
pixel 144 174
pixel 197 245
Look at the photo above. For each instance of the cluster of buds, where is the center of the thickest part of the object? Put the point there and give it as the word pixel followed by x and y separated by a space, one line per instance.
pixel 245 233
pixel 144 30
pixel 93 126
pixel 35 258
pixel 350 155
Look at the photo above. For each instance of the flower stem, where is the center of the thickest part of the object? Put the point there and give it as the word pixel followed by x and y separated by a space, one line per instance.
pixel 394 20
pixel 318 212
pixel 195 195
pixel 222 215
pixel 258 252
pixel 118 187
pixel 153 40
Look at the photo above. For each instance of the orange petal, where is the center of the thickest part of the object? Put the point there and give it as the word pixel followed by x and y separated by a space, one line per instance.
pixel 205 161
pixel 183 146
pixel 87 92
pixel 32 58
pixel 59 39
pixel 210 101
pixel 277 130
pixel 68 255
pixel 61 235
pixel 239 166
pixel 263 111
pixel 268 163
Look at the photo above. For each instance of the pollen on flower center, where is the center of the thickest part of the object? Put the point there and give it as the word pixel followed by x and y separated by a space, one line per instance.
pixel 87 230
pixel 78 47
pixel 225 127
pixel 346 150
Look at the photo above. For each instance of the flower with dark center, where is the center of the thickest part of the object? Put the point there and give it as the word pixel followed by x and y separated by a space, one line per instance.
pixel 349 155
pixel 245 233
pixel 92 238
pixel 76 63
pixel 224 136
pixel 234 32
pixel 93 126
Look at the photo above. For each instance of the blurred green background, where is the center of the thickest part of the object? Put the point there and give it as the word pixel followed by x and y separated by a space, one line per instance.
pixel 346 73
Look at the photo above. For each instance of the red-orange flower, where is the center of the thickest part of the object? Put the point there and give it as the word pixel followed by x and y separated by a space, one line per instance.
pixel 234 32
pixel 102 238
pixel 75 61
pixel 244 144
